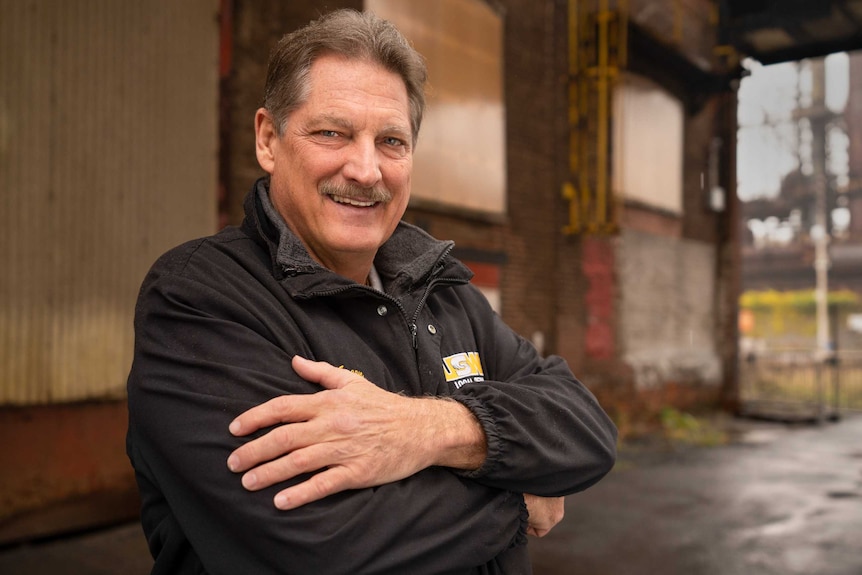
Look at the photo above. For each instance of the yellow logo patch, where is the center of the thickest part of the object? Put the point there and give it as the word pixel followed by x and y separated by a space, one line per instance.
pixel 462 368
pixel 356 371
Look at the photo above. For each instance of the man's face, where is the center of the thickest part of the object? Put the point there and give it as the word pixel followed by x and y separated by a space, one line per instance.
pixel 340 174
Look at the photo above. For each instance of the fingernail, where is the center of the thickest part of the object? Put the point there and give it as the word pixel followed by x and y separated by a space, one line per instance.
pixel 281 501
pixel 235 426
pixel 249 480
pixel 233 463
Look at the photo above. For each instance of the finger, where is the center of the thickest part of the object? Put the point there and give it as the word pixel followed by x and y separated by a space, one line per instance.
pixel 296 463
pixel 536 532
pixel 279 441
pixel 323 484
pixel 281 409
pixel 322 373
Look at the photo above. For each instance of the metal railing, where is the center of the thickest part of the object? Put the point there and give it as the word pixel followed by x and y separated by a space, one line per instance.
pixel 800 384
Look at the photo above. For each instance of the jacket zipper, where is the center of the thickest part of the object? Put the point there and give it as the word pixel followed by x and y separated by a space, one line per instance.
pixel 412 323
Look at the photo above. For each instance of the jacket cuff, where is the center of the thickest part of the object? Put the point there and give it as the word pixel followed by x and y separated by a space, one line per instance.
pixel 496 448
pixel 524 520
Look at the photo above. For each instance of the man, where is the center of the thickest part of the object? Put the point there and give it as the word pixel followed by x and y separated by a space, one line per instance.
pixel 322 390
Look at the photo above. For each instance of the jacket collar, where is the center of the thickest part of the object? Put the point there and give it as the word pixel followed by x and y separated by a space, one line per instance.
pixel 408 258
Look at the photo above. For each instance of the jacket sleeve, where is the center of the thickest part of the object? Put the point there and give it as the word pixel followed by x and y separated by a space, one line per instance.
pixel 202 358
pixel 547 434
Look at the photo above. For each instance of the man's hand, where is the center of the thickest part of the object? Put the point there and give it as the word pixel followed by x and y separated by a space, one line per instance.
pixel 545 512
pixel 353 433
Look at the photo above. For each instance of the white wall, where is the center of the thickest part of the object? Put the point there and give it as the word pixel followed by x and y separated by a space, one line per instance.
pixel 668 302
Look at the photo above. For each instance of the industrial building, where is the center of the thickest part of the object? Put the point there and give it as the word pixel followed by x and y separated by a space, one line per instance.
pixel 580 153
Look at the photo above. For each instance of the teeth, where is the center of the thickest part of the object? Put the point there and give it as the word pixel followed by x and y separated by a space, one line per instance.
pixel 352 202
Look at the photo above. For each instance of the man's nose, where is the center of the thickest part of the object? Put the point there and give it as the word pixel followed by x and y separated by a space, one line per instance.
pixel 362 164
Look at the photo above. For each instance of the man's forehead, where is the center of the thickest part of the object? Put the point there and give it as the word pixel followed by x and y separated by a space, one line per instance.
pixel 331 70
pixel 338 86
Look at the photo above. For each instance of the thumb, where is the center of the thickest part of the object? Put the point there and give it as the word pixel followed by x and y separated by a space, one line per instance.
pixel 322 373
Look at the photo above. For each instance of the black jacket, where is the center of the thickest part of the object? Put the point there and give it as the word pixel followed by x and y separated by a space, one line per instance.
pixel 217 322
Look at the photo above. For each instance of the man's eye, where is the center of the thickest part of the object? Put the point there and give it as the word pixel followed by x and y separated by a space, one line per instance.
pixel 328 133
pixel 391 141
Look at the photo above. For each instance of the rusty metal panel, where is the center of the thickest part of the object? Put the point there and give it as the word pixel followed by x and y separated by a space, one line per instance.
pixel 460 160
pixel 648 138
pixel 108 124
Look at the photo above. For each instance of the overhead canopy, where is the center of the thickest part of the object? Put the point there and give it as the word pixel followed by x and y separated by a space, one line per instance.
pixel 772 31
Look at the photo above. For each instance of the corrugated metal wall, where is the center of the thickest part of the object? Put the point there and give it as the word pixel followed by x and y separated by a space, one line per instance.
pixel 108 136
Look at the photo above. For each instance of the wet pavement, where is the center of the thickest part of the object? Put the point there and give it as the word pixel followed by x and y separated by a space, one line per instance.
pixel 779 499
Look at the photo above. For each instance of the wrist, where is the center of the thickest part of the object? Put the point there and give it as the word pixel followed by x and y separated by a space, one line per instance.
pixel 455 434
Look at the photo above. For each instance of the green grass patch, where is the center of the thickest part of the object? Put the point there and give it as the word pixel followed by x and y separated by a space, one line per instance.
pixel 685 428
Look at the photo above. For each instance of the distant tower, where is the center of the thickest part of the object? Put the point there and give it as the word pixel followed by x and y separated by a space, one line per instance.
pixel 853 121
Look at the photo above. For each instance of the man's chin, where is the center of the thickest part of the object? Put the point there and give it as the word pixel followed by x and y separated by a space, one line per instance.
pixel 358 245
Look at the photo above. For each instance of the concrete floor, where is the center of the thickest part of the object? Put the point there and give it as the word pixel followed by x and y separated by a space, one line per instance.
pixel 778 500
pixel 119 550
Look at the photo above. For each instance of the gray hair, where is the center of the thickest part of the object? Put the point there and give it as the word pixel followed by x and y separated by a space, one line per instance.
pixel 355 35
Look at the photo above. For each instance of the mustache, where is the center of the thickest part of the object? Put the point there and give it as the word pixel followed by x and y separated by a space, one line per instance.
pixel 354 192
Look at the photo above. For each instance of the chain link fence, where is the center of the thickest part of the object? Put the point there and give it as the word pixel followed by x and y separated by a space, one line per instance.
pixel 800 384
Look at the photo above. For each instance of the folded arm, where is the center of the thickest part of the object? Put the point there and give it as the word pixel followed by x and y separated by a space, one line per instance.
pixel 546 433
pixel 198 365
pixel 357 433
pixel 533 429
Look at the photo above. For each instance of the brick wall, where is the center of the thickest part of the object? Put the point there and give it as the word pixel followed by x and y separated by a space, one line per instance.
pixel 687 25
pixel 535 85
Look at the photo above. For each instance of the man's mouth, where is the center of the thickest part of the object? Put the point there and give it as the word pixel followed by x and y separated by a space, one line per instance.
pixel 353 195
pixel 352 201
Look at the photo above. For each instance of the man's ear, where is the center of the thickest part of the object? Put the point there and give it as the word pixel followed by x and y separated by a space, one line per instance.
pixel 265 138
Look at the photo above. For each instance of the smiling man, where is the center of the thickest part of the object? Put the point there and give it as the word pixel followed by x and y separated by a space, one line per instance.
pixel 321 390
pixel 340 166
